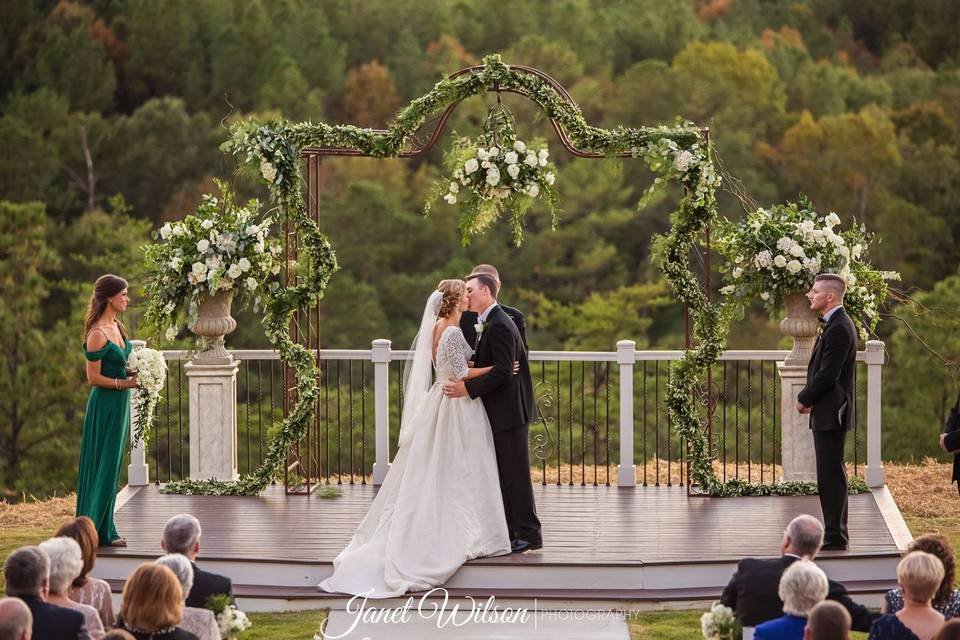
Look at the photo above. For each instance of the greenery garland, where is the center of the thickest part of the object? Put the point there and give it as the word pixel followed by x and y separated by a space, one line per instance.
pixel 677 154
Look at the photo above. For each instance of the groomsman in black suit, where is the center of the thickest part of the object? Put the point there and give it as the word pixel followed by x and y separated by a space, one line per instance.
pixel 828 399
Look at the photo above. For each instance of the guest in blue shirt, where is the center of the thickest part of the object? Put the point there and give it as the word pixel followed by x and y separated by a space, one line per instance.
pixel 802 587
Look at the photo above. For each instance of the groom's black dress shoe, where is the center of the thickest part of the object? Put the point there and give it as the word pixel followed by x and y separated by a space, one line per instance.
pixel 520 546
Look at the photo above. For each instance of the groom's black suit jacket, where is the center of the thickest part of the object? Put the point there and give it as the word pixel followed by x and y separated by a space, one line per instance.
pixel 830 373
pixel 752 593
pixel 508 398
pixel 469 319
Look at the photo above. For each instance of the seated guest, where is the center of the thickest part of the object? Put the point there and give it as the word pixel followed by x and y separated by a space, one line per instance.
pixel 87 589
pixel 25 574
pixel 919 575
pixel 802 587
pixel 828 621
pixel 752 591
pixel 947 599
pixel 950 631
pixel 65 565
pixel 16 621
pixel 200 622
pixel 152 605
pixel 181 535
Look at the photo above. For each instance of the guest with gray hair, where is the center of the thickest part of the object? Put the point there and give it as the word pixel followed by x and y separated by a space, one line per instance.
pixel 753 589
pixel 16 621
pixel 181 535
pixel 802 587
pixel 200 622
pixel 26 573
pixel 66 563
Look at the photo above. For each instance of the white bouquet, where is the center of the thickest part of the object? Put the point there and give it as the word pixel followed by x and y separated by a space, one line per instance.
pixel 232 622
pixel 719 623
pixel 151 369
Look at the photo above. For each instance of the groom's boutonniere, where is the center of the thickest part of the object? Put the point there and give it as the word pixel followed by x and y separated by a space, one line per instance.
pixel 479 329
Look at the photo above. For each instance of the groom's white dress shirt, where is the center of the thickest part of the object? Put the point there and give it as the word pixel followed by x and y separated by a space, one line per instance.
pixel 486 313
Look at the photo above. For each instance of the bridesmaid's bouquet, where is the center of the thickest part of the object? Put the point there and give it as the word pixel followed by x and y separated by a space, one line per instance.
pixel 151 369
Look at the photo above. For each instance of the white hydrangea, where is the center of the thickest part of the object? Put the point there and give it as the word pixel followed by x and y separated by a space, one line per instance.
pixel 682 160
pixel 206 225
pixel 784 244
pixel 797 251
pixel 857 251
pixel 763 260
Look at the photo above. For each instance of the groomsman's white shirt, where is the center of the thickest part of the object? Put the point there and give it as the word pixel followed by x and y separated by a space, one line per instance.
pixel 828 314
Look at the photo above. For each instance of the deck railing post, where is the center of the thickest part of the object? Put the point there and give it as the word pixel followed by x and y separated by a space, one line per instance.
pixel 626 358
pixel 138 473
pixel 874 360
pixel 380 355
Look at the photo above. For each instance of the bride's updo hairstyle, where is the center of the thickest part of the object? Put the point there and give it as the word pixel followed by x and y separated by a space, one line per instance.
pixel 107 286
pixel 452 291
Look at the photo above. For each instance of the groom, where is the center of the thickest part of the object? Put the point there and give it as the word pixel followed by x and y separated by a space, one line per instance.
pixel 506 398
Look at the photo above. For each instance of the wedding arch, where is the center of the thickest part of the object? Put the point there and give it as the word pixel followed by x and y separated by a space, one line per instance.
pixel 677 154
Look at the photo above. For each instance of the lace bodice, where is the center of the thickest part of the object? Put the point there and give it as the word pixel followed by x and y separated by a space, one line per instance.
pixel 453 353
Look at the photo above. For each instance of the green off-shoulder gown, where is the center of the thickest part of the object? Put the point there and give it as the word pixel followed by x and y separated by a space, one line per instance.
pixel 106 428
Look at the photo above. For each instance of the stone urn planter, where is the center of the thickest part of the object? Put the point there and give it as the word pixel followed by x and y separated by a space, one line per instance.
pixel 800 324
pixel 213 323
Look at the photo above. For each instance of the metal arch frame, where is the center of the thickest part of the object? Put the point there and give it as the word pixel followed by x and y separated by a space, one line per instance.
pixel 313 155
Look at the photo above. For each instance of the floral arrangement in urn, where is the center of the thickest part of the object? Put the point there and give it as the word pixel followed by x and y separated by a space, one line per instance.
pixel 775 252
pixel 222 248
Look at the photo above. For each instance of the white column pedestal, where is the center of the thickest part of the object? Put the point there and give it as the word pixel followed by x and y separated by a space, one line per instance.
pixel 213 420
pixel 799 460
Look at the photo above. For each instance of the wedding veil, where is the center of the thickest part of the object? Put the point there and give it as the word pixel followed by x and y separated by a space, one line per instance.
pixel 418 376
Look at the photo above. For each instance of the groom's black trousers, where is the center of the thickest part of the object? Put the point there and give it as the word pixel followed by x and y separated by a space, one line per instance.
pixel 513 463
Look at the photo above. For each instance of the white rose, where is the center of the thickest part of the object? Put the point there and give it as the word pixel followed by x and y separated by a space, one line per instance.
pixel 797 251
pixel 234 271
pixel 268 171
pixel 531 159
pixel 844 251
pixel 511 157
pixel 682 160
pixel 471 165
pixel 519 146
pixel 493 152
pixel 244 265
pixel 550 178
pixel 534 190
pixel 765 296
pixel 780 261
pixel 203 245
pixel 493 176
pixel 513 170
pixel 450 198
pixel 198 269
pixel 543 161
pixel 178 230
pixel 485 164
pixel 175 263
pixel 482 154
pixel 259 247
pixel 165 231
pixel 454 187
pixel 794 266
pixel 857 251
pixel 727 290
pixel 251 283
pixel 737 272
pixel 543 154
pixel 832 220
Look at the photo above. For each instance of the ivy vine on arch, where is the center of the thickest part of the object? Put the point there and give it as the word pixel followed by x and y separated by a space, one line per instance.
pixel 678 154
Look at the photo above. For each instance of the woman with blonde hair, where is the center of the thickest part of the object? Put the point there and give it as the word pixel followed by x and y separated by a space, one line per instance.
pixel 919 575
pixel 947 598
pixel 440 503
pixel 85 588
pixel 200 622
pixel 152 605
pixel 107 420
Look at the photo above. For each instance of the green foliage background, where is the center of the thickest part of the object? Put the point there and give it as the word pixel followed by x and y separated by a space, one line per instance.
pixel 111 113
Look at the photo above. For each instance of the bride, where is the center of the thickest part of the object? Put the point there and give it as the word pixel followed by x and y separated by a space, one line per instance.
pixel 440 503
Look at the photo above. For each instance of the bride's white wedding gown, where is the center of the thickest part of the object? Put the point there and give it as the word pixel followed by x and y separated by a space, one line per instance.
pixel 440 503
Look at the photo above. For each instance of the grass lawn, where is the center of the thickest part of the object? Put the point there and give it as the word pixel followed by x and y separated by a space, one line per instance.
pixel 928 503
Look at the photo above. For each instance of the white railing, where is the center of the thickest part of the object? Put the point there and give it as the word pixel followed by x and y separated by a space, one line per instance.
pixel 626 357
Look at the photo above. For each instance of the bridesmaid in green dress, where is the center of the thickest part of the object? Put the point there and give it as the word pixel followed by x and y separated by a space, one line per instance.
pixel 106 424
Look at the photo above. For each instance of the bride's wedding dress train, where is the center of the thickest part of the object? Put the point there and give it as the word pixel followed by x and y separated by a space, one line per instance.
pixel 440 503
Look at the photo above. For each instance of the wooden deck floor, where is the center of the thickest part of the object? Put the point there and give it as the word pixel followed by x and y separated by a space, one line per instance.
pixel 581 525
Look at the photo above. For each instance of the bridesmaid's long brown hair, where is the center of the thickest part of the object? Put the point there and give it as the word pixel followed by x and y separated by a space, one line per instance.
pixel 107 286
